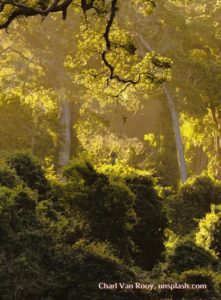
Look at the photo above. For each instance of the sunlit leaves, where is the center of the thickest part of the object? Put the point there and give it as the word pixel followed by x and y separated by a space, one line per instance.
pixel 144 7
pixel 135 76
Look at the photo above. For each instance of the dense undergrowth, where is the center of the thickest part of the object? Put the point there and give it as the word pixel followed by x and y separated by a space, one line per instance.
pixel 59 240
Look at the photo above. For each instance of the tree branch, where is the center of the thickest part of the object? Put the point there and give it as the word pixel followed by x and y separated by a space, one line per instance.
pixel 108 47
pixel 23 10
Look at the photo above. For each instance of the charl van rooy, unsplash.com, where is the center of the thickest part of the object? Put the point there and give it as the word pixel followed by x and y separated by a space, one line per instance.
pixel 150 287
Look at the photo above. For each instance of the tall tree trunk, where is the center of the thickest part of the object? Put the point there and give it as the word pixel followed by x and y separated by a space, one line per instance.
pixel 175 120
pixel 216 116
pixel 64 147
pixel 177 134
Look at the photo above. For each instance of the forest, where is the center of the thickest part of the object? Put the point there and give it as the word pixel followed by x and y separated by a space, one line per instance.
pixel 110 149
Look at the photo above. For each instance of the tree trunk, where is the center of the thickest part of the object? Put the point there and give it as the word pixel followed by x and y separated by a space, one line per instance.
pixel 175 120
pixel 177 134
pixel 64 147
pixel 217 139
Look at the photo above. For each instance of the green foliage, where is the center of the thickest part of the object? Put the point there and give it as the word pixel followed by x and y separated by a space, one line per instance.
pixel 148 232
pixel 208 235
pixel 192 202
pixel 101 146
pixel 198 277
pixel 123 171
pixel 19 236
pixel 187 255
pixel 42 253
pixel 191 284
pixel 17 207
pixel 113 203
pixel 104 215
pixel 16 125
pixel 144 7
pixel 30 171
pixel 8 177
pixel 217 282
pixel 89 226
pixel 187 32
pixel 84 266
pixel 36 263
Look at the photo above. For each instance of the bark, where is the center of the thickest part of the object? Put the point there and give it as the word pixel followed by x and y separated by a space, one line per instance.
pixel 174 117
pixel 177 134
pixel 64 147
pixel 217 139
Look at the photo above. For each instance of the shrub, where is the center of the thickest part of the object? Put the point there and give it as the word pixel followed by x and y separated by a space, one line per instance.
pixel 21 243
pixel 148 232
pixel 209 233
pixel 16 212
pixel 107 206
pixel 187 255
pixel 39 259
pixel 29 170
pixel 174 286
pixel 79 269
pixel 217 282
pixel 191 203
pixel 201 281
pixel 8 177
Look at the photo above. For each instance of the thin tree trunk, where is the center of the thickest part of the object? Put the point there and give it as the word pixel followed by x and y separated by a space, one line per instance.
pixel 64 147
pixel 175 121
pixel 217 139
pixel 177 134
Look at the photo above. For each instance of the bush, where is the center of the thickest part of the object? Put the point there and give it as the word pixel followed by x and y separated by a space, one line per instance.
pixel 42 253
pixel 148 232
pixel 8 177
pixel 187 255
pixel 81 268
pixel 21 243
pixel 107 207
pixel 217 282
pixel 194 284
pixel 30 171
pixel 197 279
pixel 191 203
pixel 209 233
pixel 17 208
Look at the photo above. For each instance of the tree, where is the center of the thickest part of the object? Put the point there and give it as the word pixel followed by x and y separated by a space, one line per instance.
pixel 184 32
pixel 175 121
pixel 53 79
pixel 108 73
pixel 33 8
pixel 191 203
pixel 143 44
pixel 28 110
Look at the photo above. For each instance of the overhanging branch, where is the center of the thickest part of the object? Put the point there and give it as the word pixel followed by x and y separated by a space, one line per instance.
pixel 104 54
pixel 22 10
